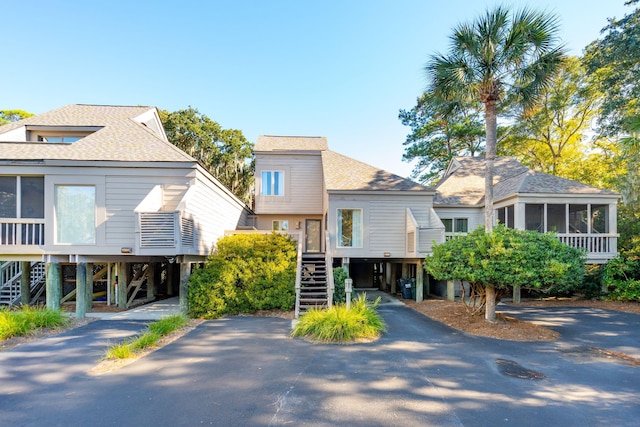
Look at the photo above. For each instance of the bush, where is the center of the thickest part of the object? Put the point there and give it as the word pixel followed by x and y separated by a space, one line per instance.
pixel 247 272
pixel 341 326
pixel 622 278
pixel 339 276
pixel 507 258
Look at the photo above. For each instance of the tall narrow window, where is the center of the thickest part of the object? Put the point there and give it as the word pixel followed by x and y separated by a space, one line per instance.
pixel 461 225
pixel 75 208
pixel 599 218
pixel 534 217
pixel 557 218
pixel 578 219
pixel 272 183
pixel 8 196
pixel 32 197
pixel 350 228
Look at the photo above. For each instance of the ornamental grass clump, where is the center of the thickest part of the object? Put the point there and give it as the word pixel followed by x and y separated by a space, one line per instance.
pixel 153 334
pixel 27 319
pixel 361 323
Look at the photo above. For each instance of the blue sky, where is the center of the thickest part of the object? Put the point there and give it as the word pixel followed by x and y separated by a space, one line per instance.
pixel 340 69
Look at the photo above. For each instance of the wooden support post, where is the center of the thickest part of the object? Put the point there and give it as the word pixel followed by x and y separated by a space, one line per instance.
pixel 516 294
pixel 81 290
pixel 451 290
pixel 405 270
pixel 393 279
pixel 123 282
pixel 89 293
pixel 25 283
pixel 53 285
pixel 151 280
pixel 185 272
pixel 419 282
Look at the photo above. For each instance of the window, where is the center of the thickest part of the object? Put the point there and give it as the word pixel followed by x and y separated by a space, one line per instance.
pixel 578 219
pixel 75 214
pixel 506 216
pixel 60 139
pixel 534 217
pixel 557 218
pixel 280 225
pixel 458 225
pixel 599 218
pixel 21 197
pixel 350 228
pixel 272 183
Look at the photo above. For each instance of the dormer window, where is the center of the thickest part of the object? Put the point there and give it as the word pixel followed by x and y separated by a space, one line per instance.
pixel 60 139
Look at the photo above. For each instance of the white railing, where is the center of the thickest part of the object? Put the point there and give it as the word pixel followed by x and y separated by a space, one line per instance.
pixel 592 243
pixel 329 268
pixel 298 283
pixel 21 231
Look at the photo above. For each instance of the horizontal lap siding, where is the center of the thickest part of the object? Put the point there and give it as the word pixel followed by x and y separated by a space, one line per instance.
pixel 303 184
pixel 122 196
pixel 387 225
pixel 215 212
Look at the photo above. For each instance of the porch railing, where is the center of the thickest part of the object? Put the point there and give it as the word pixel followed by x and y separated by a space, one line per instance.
pixel 592 243
pixel 22 231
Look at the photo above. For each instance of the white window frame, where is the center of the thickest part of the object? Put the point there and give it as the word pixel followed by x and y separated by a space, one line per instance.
pixel 280 225
pixel 357 229
pixel 94 232
pixel 276 183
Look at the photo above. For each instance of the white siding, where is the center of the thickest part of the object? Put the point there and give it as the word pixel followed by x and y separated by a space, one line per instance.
pixel 384 221
pixel 303 184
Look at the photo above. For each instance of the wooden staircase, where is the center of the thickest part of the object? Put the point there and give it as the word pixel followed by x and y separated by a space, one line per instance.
pixel 313 283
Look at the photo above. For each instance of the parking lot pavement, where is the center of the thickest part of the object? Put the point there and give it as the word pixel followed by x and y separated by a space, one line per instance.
pixel 245 371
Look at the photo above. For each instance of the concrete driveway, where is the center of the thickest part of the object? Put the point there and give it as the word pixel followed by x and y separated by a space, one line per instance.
pixel 246 371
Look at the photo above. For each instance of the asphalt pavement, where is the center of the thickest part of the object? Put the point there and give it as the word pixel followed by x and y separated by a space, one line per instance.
pixel 247 371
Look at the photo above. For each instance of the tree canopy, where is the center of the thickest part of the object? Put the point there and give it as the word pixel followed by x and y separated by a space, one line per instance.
pixel 440 130
pixel 7 116
pixel 225 153
pixel 613 63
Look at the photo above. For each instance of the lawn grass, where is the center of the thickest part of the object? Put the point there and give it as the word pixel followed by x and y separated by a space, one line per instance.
pixel 26 320
pixel 341 326
pixel 149 338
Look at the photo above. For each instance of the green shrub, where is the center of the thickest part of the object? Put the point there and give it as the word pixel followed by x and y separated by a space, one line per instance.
pixel 12 325
pixel 622 278
pixel 120 351
pixel 591 285
pixel 247 272
pixel 168 324
pixel 341 326
pixel 339 276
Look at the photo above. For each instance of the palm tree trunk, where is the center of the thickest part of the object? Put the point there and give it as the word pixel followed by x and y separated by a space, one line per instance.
pixel 492 141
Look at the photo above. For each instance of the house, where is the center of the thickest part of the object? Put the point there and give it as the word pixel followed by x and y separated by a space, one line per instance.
pixel 377 224
pixel 94 200
pixel 582 216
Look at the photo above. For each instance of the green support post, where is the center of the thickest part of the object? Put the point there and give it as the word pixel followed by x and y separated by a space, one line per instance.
pixel 81 290
pixel 25 283
pixel 121 294
pixel 53 286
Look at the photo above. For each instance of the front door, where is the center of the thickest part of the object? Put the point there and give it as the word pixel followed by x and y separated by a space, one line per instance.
pixel 313 233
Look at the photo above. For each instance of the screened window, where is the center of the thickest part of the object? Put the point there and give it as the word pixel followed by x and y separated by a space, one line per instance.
pixel 578 219
pixel 8 196
pixel 75 214
pixel 21 197
pixel 534 217
pixel 272 183
pixel 599 218
pixel 506 216
pixel 350 228
pixel 448 225
pixel 557 218
pixel 280 225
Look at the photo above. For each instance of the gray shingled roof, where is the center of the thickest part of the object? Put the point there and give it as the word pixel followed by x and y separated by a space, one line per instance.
pixel 463 184
pixel 290 143
pixel 120 138
pixel 344 173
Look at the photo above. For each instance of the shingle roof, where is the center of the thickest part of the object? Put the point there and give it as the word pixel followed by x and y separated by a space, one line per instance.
pixel 344 173
pixel 120 137
pixel 291 143
pixel 463 183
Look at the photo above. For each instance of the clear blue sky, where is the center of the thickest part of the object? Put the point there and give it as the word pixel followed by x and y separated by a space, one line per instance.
pixel 340 69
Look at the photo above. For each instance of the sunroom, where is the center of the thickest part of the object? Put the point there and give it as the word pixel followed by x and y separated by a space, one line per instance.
pixel 587 223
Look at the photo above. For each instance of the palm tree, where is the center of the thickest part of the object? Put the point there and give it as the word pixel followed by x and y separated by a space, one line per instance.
pixel 500 58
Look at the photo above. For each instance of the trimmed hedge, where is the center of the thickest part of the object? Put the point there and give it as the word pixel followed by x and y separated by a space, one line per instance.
pixel 247 272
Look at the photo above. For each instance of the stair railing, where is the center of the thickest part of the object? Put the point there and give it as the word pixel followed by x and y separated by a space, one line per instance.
pixel 329 268
pixel 298 277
